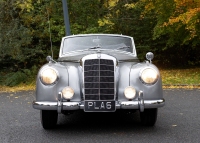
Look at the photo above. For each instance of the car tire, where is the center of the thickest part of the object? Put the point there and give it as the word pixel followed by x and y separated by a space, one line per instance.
pixel 48 118
pixel 149 117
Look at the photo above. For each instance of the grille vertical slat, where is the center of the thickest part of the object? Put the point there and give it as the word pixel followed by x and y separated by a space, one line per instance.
pixel 99 79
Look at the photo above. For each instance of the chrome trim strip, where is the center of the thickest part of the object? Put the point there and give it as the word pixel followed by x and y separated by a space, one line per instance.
pixel 129 105
pixel 141 101
pixel 147 104
pixel 45 105
pixel 54 105
pixel 80 105
pixel 71 105
pixel 60 103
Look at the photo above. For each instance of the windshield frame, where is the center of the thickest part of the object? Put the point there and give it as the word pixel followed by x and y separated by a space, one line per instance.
pixel 62 54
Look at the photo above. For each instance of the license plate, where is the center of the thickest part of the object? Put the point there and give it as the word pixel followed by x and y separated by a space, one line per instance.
pixel 99 106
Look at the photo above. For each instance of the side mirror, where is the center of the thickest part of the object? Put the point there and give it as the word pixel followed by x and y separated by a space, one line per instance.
pixel 150 56
pixel 49 58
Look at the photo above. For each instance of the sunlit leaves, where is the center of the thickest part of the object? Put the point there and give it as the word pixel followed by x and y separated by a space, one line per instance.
pixel 176 16
pixel 186 13
pixel 105 21
pixel 25 5
pixel 130 6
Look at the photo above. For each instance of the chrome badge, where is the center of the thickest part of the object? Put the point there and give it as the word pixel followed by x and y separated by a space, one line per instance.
pixel 98 55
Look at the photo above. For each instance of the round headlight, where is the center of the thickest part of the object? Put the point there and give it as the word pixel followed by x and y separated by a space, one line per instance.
pixel 130 92
pixel 149 76
pixel 68 92
pixel 48 76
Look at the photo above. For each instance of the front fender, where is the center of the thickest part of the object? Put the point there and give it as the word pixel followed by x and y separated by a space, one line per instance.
pixel 123 79
pixel 150 92
pixel 50 92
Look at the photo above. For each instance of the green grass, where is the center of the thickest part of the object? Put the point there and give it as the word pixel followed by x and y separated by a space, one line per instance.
pixel 21 87
pixel 181 76
pixel 171 78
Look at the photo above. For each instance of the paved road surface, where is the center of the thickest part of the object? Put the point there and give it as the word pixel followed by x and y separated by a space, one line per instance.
pixel 178 121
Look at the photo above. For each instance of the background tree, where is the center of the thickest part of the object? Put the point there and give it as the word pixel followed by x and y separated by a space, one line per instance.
pixel 178 25
pixel 169 28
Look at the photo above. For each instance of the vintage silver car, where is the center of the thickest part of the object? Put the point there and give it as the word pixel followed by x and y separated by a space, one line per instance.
pixel 98 73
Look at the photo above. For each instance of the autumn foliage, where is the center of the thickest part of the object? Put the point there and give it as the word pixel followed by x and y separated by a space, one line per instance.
pixel 168 28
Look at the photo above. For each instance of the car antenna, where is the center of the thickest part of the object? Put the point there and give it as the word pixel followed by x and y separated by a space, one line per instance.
pixel 50 34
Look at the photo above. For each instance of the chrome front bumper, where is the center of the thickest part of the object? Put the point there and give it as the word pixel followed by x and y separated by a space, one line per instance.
pixel 59 106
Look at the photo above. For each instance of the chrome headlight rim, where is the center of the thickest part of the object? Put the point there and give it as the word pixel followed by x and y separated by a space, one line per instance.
pixel 54 82
pixel 155 80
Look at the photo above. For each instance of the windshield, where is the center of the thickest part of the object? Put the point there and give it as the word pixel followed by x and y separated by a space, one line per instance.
pixel 97 42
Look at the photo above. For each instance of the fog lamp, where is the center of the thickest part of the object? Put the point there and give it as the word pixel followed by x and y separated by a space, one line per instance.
pixel 68 92
pixel 130 92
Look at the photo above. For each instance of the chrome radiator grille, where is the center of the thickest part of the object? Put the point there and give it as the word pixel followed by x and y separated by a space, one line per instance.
pixel 99 79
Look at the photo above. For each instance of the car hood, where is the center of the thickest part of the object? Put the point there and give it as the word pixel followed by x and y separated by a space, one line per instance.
pixel 118 54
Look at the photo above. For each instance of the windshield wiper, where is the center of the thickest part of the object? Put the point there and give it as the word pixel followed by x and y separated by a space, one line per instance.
pixel 96 47
pixel 125 47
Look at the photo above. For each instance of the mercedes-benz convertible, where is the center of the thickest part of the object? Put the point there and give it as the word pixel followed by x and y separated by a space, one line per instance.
pixel 98 73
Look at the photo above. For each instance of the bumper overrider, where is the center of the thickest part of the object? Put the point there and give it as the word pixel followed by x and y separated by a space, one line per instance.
pixel 139 104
